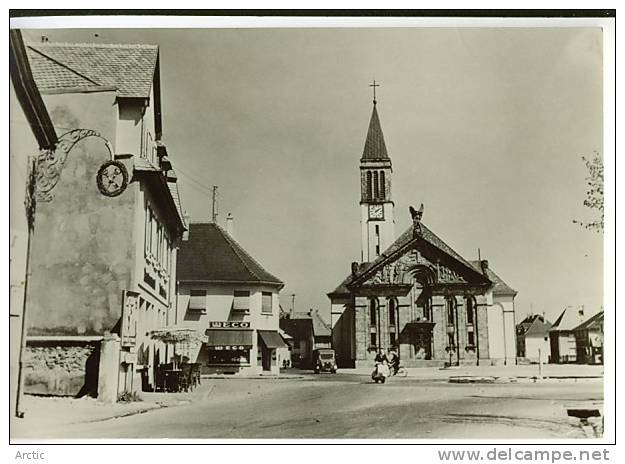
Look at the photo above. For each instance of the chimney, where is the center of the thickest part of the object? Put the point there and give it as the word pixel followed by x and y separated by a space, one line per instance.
pixel 484 266
pixel 185 234
pixel 354 268
pixel 230 224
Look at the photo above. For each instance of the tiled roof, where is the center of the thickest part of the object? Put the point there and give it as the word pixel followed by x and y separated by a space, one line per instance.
pixel 538 328
pixel 320 327
pixel 499 286
pixel 375 148
pixel 592 323
pixel 526 323
pixel 297 328
pixel 568 320
pixel 128 68
pixel 211 255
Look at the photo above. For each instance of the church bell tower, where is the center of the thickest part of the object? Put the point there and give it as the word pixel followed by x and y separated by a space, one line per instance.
pixel 376 207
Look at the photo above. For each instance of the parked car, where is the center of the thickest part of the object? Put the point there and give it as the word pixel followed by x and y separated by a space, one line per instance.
pixel 324 360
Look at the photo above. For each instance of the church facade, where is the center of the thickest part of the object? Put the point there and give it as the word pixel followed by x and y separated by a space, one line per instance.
pixel 414 293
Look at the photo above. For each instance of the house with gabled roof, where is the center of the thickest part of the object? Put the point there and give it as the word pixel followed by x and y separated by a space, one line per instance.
pixel 415 293
pixel 227 295
pixel 104 259
pixel 561 335
pixel 533 338
pixel 589 340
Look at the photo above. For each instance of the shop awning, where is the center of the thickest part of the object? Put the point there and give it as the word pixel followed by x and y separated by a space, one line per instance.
pixel 271 339
pixel 229 337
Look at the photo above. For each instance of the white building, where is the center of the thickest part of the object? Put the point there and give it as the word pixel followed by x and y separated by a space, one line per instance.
pixel 226 294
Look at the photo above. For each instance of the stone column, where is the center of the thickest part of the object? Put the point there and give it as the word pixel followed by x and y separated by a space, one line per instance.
pixel 383 323
pixel 403 318
pixel 361 328
pixel 439 335
pixel 481 327
pixel 108 372
pixel 461 329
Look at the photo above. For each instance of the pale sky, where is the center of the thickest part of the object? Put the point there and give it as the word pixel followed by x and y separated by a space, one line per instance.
pixel 486 127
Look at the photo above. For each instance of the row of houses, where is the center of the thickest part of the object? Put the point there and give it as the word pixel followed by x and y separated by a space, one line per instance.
pixel 104 256
pixel 572 338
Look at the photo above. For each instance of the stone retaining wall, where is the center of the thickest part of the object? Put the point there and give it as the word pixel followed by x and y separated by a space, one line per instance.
pixel 61 368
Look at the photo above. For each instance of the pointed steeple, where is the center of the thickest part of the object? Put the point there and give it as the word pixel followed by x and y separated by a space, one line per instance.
pixel 375 148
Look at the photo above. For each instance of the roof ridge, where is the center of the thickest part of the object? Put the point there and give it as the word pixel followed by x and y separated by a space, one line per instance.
pixel 94 45
pixel 78 73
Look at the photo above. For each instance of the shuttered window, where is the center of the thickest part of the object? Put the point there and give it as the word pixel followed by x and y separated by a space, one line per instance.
pixel 241 300
pixel 198 300
pixel 267 302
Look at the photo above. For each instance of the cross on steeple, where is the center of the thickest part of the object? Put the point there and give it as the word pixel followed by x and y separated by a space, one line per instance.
pixel 374 85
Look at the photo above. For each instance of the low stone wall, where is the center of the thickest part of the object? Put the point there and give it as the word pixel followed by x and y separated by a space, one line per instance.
pixel 61 368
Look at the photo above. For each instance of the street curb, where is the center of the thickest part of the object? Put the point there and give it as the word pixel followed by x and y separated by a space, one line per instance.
pixel 520 379
pixel 256 377
pixel 127 414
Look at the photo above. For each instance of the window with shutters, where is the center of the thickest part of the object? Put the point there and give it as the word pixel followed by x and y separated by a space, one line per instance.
pixel 241 300
pixel 197 301
pixel 267 302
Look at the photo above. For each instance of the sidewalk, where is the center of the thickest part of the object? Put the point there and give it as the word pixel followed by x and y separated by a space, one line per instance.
pixel 43 413
pixel 561 371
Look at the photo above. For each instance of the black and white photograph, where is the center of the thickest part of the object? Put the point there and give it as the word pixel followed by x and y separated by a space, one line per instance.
pixel 318 232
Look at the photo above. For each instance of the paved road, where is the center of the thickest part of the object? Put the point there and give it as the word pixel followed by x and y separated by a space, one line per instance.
pixel 351 406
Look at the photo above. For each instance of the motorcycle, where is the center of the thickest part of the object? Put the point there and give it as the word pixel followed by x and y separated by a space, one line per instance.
pixel 380 373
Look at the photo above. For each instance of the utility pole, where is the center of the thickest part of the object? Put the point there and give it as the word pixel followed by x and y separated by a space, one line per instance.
pixel 214 215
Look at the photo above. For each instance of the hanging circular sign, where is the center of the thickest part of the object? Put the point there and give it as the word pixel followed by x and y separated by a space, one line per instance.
pixel 112 178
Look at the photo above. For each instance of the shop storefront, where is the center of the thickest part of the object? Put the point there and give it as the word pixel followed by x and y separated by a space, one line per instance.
pixel 231 348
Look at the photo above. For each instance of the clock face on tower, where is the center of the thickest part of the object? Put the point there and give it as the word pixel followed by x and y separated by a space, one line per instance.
pixel 376 212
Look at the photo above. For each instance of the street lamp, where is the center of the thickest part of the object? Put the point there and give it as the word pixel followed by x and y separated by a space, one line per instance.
pixel 44 172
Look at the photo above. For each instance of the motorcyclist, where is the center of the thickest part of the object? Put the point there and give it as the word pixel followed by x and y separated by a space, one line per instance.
pixel 393 360
pixel 381 358
pixel 381 370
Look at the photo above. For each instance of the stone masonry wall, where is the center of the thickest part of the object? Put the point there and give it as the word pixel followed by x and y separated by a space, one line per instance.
pixel 61 369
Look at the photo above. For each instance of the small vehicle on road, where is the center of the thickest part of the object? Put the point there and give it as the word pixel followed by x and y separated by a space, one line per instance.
pixel 380 373
pixel 324 360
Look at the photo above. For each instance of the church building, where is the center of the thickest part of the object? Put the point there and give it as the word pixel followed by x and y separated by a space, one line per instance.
pixel 413 292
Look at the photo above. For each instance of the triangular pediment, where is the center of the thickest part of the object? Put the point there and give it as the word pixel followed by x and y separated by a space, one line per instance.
pixel 417 256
